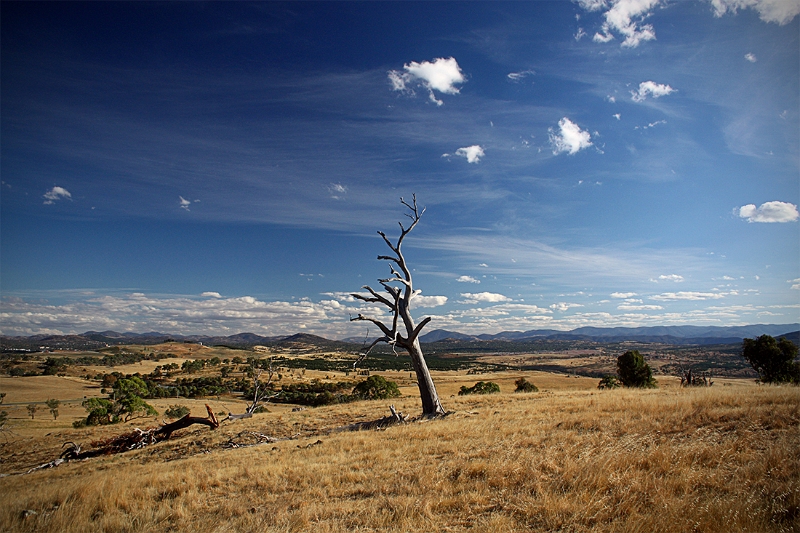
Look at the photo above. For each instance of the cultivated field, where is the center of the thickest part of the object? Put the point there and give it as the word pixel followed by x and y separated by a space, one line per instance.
pixel 568 458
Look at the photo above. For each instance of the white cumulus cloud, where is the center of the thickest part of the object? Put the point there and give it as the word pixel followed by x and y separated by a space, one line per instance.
pixel 671 277
pixel 211 294
pixel 184 203
pixel 570 138
pixel 467 279
pixel 56 193
pixel 623 294
pixel 751 58
pixel 472 153
pixel 656 90
pixel 626 18
pixel 428 301
pixel 442 75
pixel 563 306
pixel 770 212
pixel 688 295
pixel 490 297
pixel 779 11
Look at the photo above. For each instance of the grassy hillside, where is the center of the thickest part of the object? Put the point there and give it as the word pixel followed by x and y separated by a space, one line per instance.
pixel 569 458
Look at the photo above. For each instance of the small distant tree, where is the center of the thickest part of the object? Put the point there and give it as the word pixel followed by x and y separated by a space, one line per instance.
pixel 376 388
pixel 523 385
pixel 2 397
pixel 53 404
pixel 176 411
pixel 773 360
pixel 608 382
pixel 32 408
pixel 633 371
pixel 481 387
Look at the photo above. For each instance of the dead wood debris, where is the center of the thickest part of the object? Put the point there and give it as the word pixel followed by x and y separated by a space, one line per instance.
pixel 381 423
pixel 132 440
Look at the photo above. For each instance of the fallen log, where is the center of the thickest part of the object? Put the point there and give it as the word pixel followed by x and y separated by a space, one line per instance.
pixel 129 441
pixel 381 423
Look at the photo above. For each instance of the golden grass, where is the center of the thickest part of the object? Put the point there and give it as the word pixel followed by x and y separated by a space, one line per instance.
pixel 718 459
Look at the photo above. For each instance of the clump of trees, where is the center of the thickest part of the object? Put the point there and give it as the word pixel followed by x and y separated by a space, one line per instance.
pixel 376 388
pixel 633 371
pixel 523 385
pixel 481 387
pixel 774 360
pixel 127 403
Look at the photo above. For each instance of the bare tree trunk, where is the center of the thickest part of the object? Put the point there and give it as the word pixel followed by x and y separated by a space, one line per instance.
pixel 431 406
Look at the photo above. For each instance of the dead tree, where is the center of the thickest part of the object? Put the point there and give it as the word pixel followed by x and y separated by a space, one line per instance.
pixel 688 379
pixel 261 391
pixel 402 332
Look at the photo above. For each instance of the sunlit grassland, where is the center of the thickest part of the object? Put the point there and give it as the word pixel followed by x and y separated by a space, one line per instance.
pixel 718 459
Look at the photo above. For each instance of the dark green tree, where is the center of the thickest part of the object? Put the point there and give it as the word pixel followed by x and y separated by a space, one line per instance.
pixel 32 408
pixel 773 360
pixel 376 388
pixel 481 387
pixel 53 404
pixel 633 371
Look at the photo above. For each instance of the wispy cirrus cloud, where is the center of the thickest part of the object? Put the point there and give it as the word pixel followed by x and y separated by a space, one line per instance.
pixel 569 138
pixel 519 76
pixel 441 75
pixel 769 212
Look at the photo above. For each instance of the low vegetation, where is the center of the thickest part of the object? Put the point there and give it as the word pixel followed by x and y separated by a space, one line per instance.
pixel 481 387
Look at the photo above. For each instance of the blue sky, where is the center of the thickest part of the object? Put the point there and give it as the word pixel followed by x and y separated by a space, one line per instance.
pixel 216 168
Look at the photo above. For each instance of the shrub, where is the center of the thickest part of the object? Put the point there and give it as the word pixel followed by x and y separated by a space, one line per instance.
pixel 176 411
pixel 633 371
pixel 773 360
pixel 523 385
pixel 376 388
pixel 608 382
pixel 481 387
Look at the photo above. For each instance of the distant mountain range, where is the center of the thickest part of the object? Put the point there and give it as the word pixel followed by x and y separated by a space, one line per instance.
pixel 662 334
pixel 659 334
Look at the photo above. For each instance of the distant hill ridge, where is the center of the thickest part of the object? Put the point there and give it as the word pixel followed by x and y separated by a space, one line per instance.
pixel 660 334
pixel 665 334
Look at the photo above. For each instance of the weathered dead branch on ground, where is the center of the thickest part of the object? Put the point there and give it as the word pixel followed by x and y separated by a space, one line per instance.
pixel 132 440
pixel 381 423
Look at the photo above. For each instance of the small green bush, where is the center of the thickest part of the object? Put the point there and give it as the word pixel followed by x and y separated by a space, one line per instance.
pixel 523 385
pixel 176 411
pixel 481 387
pixel 608 382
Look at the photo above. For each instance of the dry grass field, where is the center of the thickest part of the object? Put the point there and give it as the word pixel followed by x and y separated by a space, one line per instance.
pixel 568 458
